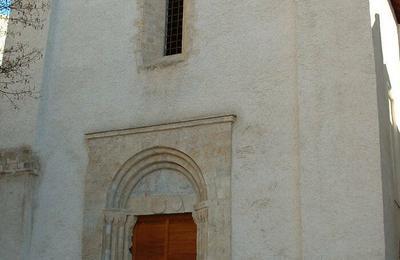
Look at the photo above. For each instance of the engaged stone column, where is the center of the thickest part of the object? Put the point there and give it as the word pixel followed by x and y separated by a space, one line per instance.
pixel 200 216
pixel 117 235
pixel 130 224
pixel 106 247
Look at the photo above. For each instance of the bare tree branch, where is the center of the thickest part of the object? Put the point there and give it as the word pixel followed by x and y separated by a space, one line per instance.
pixel 15 73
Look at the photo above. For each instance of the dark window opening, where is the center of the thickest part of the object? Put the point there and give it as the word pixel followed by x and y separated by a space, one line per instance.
pixel 174 23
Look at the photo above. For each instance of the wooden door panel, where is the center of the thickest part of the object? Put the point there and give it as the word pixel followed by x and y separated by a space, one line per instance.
pixel 151 235
pixel 182 238
pixel 165 237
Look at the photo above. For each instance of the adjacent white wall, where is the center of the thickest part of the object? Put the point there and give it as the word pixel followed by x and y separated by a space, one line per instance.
pixel 387 65
pixel 390 41
pixel 340 174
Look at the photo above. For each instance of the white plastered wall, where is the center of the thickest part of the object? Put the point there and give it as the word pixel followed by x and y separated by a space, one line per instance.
pixel 300 77
pixel 18 129
pixel 339 169
pixel 242 61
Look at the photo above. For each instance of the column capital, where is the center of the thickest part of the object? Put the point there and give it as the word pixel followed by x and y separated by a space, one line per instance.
pixel 200 215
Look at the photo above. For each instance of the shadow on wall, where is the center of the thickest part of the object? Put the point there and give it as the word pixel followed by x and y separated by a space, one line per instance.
pixel 389 147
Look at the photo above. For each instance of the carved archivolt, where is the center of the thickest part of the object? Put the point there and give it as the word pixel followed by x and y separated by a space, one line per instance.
pixel 119 221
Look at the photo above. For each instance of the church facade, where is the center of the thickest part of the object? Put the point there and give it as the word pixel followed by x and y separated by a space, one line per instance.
pixel 251 130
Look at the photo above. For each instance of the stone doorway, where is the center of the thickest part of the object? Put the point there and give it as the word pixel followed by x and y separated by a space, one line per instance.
pixel 173 168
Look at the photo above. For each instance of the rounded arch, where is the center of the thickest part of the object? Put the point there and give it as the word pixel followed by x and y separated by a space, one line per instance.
pixel 148 161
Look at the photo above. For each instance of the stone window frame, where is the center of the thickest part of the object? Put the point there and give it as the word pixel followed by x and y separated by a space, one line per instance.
pixel 119 223
pixel 146 63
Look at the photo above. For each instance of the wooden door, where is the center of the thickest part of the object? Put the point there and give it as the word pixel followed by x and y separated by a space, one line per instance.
pixel 164 237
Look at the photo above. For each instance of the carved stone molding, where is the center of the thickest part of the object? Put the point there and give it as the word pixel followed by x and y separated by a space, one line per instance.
pixel 127 178
pixel 200 215
pixel 164 127
pixel 148 161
